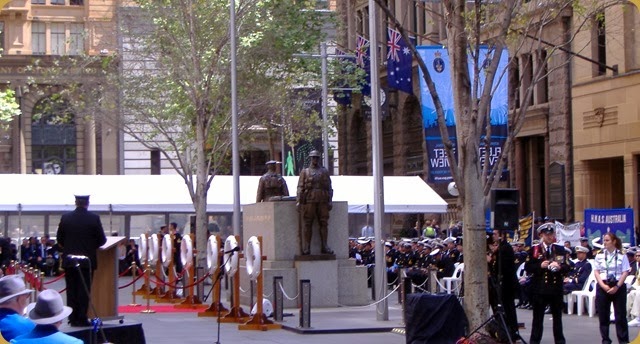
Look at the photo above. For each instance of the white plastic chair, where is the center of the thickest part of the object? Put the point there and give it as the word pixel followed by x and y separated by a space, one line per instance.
pixel 588 293
pixel 520 272
pixel 451 283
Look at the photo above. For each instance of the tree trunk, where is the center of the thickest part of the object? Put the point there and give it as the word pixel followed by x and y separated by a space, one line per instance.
pixel 469 170
pixel 476 302
pixel 200 203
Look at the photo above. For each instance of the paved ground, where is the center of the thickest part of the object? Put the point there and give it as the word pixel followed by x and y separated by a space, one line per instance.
pixel 174 328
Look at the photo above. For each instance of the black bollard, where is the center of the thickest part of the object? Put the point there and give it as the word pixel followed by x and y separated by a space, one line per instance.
pixel 278 299
pixel 305 303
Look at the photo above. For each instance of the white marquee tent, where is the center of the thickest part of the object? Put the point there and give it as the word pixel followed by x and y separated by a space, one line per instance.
pixel 168 193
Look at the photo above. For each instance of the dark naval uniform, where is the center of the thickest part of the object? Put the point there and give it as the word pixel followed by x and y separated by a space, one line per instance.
pixel 502 273
pixel 79 233
pixel 578 276
pixel 546 289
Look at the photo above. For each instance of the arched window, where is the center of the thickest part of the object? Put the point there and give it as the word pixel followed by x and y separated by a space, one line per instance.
pixel 53 137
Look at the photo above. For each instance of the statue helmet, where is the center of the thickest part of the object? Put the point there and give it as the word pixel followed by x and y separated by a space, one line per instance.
pixel 314 153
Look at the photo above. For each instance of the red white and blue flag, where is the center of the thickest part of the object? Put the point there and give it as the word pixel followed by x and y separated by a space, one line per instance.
pixel 399 62
pixel 363 60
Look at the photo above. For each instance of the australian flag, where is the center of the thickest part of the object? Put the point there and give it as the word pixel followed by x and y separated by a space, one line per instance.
pixel 399 58
pixel 363 60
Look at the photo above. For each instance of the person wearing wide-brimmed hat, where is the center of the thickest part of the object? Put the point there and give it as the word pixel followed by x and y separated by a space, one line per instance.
pixel 47 313
pixel 14 297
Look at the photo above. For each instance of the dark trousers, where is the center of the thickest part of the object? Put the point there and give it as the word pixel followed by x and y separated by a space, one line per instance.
pixel 77 297
pixel 508 305
pixel 603 307
pixel 539 303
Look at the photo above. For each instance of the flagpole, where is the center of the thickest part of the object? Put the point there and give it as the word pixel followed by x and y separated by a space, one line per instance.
pixel 382 307
pixel 325 122
pixel 235 149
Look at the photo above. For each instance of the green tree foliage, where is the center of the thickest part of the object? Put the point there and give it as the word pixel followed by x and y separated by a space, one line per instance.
pixel 9 108
pixel 175 80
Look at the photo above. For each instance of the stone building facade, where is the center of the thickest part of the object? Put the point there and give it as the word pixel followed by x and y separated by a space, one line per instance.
pixel 48 138
pixel 606 113
pixel 541 161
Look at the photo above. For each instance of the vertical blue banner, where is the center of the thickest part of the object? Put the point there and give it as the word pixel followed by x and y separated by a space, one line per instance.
pixel 436 59
pixel 597 222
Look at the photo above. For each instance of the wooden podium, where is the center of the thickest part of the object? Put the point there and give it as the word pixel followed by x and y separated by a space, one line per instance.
pixel 104 287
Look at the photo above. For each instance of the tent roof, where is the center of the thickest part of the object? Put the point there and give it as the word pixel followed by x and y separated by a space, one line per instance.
pixel 168 193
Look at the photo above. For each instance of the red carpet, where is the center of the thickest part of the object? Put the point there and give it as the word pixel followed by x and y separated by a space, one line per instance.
pixel 160 309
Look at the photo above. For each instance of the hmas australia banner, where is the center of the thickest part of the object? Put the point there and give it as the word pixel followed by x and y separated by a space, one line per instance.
pixel 437 60
pixel 597 222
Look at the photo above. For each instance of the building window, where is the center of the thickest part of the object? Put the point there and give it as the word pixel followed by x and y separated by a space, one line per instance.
pixel 2 37
pixel 57 2
pixel 53 137
pixel 155 161
pixel 542 84
pixel 76 38
pixel 76 2
pixel 38 38
pixel 527 79
pixel 514 82
pixel 37 2
pixel 600 52
pixel 58 39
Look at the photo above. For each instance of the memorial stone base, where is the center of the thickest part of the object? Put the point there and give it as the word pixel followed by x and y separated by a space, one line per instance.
pixel 335 279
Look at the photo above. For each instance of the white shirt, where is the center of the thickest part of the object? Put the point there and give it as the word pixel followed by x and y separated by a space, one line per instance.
pixel 367 231
pixel 614 262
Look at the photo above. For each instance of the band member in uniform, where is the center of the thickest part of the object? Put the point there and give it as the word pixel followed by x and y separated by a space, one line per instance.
pixel 503 282
pixel 612 267
pixel 547 265
pixel 177 246
pixel 579 273
pixel 80 234
pixel 271 184
pixel 314 200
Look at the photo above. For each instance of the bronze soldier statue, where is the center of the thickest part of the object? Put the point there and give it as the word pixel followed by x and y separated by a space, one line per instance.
pixel 271 184
pixel 314 200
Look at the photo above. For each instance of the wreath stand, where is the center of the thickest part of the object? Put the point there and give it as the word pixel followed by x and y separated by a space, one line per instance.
pixel 258 321
pixel 215 271
pixel 236 313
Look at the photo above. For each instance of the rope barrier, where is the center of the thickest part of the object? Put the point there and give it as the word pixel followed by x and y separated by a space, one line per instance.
pixel 55 279
pixel 374 303
pixel 285 294
pixel 130 283
pixel 125 271
pixel 176 286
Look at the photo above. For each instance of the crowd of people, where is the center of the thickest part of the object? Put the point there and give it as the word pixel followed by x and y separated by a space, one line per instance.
pixel 548 272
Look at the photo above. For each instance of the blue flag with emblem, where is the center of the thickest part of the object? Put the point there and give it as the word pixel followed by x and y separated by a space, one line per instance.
pixel 399 59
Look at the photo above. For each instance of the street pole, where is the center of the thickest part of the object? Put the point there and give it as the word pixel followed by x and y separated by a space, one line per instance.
pixel 325 122
pixel 235 150
pixel 382 307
